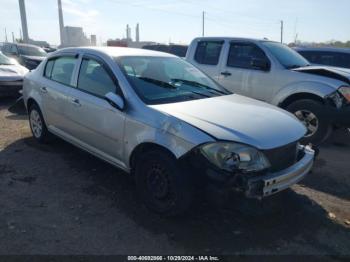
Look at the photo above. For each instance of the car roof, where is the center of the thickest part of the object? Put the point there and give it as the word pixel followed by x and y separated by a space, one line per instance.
pixel 117 51
pixel 21 44
pixel 227 38
pixel 323 49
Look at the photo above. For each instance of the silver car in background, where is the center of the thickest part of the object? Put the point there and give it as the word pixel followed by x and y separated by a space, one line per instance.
pixel 161 119
pixel 319 96
pixel 11 76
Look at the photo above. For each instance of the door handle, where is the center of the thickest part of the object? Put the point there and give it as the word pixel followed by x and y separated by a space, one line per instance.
pixel 226 73
pixel 43 90
pixel 76 102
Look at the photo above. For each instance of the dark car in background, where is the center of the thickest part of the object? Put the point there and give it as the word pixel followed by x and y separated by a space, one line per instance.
pixel 178 50
pixel 331 56
pixel 29 56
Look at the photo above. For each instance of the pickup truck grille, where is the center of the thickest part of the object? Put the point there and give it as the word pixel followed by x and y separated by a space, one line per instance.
pixel 282 157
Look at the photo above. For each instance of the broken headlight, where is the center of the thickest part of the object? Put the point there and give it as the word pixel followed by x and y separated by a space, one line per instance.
pixel 235 157
pixel 337 99
pixel 345 91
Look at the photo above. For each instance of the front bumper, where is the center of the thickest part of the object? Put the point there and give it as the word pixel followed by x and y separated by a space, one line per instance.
pixel 270 184
pixel 10 88
pixel 220 185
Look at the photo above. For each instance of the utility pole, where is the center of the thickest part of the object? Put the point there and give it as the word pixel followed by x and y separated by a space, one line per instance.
pixel 13 38
pixel 61 24
pixel 282 24
pixel 22 9
pixel 203 23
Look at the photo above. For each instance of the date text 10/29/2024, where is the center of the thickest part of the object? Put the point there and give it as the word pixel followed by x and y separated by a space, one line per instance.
pixel 173 258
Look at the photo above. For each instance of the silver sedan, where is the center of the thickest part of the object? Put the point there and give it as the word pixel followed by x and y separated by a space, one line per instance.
pixel 161 119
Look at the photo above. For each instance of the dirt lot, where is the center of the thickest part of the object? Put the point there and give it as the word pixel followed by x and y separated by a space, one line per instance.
pixel 56 199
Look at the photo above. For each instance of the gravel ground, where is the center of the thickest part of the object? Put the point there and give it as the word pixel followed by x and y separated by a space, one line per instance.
pixel 57 199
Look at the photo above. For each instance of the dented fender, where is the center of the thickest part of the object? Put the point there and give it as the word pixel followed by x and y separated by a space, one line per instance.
pixel 164 130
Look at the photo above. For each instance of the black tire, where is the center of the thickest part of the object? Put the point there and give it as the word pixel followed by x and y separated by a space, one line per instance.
pixel 324 126
pixel 43 136
pixel 162 183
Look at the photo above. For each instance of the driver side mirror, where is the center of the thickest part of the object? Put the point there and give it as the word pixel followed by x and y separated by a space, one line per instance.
pixel 260 64
pixel 115 100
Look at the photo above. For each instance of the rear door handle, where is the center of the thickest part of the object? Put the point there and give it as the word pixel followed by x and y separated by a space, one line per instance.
pixel 76 102
pixel 226 73
pixel 43 89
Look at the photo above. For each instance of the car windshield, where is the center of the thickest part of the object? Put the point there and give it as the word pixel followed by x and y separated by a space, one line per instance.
pixel 160 80
pixel 31 51
pixel 4 60
pixel 286 56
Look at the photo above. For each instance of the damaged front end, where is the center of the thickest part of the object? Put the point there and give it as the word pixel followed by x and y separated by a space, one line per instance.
pixel 339 106
pixel 243 169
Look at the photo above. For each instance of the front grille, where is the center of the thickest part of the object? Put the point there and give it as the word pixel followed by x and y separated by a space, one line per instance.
pixel 282 157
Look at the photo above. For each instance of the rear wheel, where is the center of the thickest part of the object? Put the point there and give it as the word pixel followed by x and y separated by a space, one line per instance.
pixel 311 114
pixel 162 184
pixel 37 124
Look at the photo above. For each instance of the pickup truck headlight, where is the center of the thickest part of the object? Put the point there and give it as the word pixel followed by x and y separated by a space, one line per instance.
pixel 345 91
pixel 235 157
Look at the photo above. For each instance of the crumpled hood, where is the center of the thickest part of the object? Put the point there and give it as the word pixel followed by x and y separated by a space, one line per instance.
pixel 240 119
pixel 12 72
pixel 342 74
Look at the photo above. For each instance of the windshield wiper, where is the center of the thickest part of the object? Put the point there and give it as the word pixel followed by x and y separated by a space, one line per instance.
pixel 158 82
pixel 194 83
pixel 199 93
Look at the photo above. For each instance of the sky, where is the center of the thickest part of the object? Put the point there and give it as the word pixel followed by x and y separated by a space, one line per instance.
pixel 179 21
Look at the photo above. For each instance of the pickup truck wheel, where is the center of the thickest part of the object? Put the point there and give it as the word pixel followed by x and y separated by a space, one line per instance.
pixel 162 184
pixel 37 124
pixel 311 114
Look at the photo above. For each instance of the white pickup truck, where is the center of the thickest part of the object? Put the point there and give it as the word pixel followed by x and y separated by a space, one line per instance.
pixel 319 96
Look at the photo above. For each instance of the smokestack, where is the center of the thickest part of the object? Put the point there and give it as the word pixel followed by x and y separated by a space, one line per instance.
pixel 6 36
pixel 61 22
pixel 128 32
pixel 137 33
pixel 22 9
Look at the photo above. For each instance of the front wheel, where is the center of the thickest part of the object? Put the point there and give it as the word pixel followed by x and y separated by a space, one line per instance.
pixel 162 184
pixel 311 114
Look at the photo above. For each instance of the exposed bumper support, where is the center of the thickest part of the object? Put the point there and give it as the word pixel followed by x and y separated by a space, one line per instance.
pixel 259 187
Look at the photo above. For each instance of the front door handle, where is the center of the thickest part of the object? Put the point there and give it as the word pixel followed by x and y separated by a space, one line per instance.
pixel 226 73
pixel 43 90
pixel 76 102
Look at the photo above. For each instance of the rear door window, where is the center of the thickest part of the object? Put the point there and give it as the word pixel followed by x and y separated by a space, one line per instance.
pixel 208 52
pixel 63 68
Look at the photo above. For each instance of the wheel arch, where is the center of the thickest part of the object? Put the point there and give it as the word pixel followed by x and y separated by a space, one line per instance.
pixel 30 102
pixel 299 96
pixel 147 147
